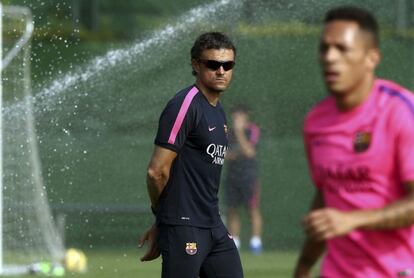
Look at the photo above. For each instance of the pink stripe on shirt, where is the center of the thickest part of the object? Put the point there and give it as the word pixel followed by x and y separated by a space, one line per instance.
pixel 181 114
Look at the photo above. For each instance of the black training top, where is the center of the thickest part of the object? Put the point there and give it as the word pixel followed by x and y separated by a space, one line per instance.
pixel 197 132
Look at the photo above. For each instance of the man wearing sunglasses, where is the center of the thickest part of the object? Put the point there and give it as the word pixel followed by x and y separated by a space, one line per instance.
pixel 184 171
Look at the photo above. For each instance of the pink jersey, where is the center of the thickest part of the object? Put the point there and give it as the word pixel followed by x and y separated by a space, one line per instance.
pixel 360 159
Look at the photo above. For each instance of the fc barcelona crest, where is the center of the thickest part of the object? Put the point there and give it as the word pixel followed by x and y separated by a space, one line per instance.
pixel 362 140
pixel 191 248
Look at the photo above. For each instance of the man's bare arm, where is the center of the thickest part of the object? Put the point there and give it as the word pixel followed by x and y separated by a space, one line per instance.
pixel 312 249
pixel 327 223
pixel 158 172
pixel 157 177
pixel 396 215
pixel 246 148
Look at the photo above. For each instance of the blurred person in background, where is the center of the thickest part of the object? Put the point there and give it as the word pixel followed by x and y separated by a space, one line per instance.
pixel 360 147
pixel 242 179
pixel 184 171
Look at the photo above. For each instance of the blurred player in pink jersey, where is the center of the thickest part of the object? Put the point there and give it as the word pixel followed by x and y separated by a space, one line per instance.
pixel 242 179
pixel 360 147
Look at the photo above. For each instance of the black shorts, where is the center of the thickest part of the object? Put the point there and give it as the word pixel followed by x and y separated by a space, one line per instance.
pixel 242 191
pixel 191 252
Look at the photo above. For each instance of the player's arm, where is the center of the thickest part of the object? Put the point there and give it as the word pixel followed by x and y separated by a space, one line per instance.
pixel 327 223
pixel 312 248
pixel 247 149
pixel 158 172
pixel 157 177
pixel 398 214
pixel 231 154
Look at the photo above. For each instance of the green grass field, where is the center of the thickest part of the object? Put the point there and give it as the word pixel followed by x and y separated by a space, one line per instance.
pixel 125 264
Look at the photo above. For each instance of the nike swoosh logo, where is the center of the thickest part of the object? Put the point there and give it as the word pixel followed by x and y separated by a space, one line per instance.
pixel 211 128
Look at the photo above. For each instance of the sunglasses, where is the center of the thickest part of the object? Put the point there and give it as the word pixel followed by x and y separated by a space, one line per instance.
pixel 215 65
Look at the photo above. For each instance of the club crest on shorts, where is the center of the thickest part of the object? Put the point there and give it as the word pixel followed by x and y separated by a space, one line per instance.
pixel 191 248
pixel 362 140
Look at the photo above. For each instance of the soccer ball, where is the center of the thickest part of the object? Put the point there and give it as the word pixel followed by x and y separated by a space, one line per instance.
pixel 75 260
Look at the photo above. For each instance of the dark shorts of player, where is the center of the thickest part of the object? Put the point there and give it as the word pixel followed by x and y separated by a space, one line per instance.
pixel 192 252
pixel 243 191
